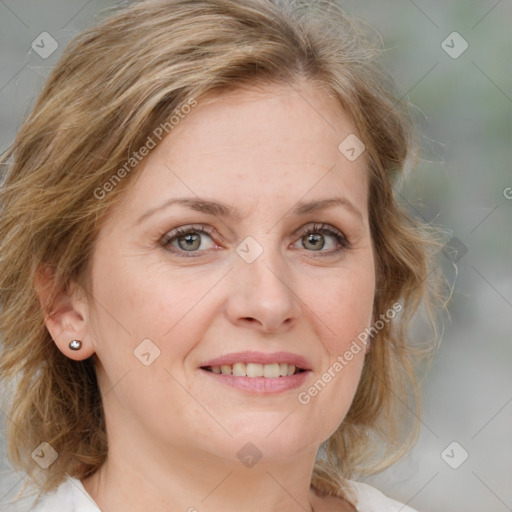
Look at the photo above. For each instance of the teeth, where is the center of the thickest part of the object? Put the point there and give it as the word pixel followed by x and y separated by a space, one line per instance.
pixel 270 371
pixel 253 369
pixel 239 370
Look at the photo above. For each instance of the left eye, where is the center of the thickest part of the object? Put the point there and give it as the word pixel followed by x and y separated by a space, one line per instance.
pixel 314 238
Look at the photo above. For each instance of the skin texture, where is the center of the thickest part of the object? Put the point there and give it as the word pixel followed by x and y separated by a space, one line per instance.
pixel 174 431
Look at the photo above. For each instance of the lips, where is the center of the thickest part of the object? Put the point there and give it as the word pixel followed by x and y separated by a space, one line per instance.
pixel 257 373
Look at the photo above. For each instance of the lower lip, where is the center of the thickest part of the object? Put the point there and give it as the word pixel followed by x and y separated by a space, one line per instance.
pixel 261 385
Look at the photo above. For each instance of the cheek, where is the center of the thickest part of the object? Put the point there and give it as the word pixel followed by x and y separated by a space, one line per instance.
pixel 134 305
pixel 147 301
pixel 345 305
pixel 345 309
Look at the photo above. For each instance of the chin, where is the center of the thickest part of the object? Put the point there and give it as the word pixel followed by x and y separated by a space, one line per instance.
pixel 276 439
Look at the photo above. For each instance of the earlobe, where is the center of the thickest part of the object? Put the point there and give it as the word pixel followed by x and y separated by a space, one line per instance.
pixel 65 318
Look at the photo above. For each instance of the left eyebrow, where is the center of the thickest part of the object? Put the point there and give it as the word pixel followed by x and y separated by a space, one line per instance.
pixel 220 209
pixel 303 208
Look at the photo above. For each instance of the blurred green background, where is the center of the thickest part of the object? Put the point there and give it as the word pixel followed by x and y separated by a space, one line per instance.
pixel 463 182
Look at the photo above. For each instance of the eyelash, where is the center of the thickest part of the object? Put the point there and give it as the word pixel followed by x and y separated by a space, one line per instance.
pixel 341 239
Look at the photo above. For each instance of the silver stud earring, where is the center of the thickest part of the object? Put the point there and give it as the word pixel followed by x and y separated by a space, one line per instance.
pixel 75 345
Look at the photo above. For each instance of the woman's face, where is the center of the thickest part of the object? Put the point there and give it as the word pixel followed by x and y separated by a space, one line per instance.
pixel 246 177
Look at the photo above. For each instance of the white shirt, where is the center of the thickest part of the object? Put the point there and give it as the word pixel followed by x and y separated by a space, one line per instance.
pixel 71 496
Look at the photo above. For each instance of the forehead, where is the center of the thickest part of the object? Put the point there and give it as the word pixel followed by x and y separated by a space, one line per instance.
pixel 276 114
pixel 280 143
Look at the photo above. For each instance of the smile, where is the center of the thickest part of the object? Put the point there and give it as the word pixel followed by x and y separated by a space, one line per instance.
pixel 258 373
pixel 269 371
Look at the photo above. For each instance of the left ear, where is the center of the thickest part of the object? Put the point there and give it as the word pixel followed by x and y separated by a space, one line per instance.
pixel 66 320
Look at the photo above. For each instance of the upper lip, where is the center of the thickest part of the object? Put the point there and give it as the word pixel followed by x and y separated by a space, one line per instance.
pixel 259 358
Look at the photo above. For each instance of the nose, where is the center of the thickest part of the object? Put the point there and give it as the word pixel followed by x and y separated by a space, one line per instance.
pixel 262 294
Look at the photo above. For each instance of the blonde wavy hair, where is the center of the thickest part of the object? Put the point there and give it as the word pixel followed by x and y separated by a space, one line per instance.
pixel 115 83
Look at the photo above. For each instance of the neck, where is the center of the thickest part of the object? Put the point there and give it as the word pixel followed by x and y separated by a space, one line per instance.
pixel 148 478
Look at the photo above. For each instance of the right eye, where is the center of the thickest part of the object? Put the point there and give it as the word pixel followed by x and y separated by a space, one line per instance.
pixel 187 240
